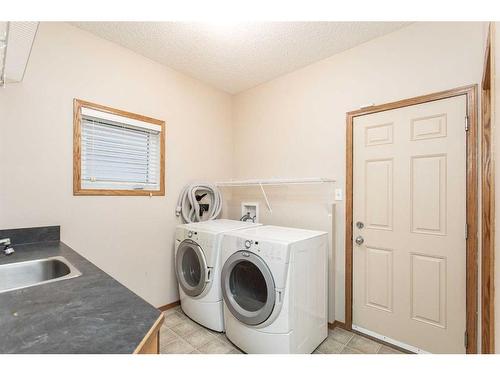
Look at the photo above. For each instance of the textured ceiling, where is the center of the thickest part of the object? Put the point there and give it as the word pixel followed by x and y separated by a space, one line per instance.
pixel 235 57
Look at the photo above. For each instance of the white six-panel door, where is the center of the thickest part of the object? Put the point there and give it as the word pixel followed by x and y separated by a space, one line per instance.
pixel 409 219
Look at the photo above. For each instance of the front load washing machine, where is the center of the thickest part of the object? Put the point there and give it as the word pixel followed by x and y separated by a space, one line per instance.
pixel 274 286
pixel 198 266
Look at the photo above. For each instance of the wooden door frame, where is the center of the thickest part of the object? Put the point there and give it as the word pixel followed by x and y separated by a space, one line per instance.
pixel 471 201
pixel 487 206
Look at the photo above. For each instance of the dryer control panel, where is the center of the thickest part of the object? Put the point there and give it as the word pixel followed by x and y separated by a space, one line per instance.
pixel 271 251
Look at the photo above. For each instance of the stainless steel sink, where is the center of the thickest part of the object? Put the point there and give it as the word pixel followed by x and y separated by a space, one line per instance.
pixel 21 275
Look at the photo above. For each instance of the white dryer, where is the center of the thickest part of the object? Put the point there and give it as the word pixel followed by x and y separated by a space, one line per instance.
pixel 274 286
pixel 198 267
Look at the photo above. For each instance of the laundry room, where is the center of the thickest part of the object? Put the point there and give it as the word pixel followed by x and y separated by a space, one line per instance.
pixel 263 185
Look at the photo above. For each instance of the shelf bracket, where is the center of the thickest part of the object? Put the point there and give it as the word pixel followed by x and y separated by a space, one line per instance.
pixel 265 198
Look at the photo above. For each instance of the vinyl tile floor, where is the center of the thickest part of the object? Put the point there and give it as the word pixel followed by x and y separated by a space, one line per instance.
pixel 180 335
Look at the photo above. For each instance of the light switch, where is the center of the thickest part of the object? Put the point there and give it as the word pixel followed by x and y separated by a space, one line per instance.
pixel 338 194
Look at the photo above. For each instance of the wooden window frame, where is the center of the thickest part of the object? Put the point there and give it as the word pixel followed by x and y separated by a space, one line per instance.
pixel 77 182
pixel 471 199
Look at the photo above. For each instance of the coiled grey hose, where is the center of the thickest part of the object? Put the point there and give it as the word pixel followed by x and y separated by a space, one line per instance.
pixel 188 208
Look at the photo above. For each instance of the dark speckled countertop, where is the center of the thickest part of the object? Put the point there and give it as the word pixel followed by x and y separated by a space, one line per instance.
pixel 92 313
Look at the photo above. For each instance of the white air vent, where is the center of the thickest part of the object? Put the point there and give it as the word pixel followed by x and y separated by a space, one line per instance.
pixel 16 40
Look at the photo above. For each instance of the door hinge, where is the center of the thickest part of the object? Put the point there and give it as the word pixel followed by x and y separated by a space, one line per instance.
pixel 466 231
pixel 466 123
pixel 466 339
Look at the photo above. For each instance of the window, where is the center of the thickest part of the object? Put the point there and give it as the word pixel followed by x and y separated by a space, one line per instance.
pixel 116 152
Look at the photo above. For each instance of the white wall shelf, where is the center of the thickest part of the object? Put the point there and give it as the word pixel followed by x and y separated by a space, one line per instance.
pixel 274 182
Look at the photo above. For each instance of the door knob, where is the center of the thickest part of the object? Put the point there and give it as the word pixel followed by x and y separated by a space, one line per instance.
pixel 359 240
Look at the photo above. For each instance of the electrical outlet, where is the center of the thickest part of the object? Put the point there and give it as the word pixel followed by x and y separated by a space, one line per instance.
pixel 338 194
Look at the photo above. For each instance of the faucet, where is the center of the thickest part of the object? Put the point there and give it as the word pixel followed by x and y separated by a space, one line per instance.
pixel 7 247
pixel 248 217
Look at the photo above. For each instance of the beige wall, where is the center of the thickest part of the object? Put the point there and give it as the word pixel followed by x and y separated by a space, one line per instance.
pixel 294 126
pixel 131 238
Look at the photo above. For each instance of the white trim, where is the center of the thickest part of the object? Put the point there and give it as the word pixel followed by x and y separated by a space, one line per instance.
pixel 408 347
pixel 120 119
pixel 113 185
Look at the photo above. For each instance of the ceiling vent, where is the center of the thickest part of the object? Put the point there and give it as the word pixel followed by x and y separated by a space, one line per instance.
pixel 16 40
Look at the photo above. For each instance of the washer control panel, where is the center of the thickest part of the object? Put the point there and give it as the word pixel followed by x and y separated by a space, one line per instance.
pixel 201 238
pixel 193 235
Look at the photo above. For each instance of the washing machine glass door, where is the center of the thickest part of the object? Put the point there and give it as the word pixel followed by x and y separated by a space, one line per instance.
pixel 248 288
pixel 191 268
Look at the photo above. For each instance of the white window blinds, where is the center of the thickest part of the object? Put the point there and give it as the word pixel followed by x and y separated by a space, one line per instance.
pixel 119 153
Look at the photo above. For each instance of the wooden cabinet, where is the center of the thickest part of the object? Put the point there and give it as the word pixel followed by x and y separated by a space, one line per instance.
pixel 150 344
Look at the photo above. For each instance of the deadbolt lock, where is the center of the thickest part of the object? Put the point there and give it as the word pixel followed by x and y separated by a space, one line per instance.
pixel 360 225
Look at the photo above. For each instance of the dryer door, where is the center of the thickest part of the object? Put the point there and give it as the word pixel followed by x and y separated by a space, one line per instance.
pixel 191 268
pixel 248 288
